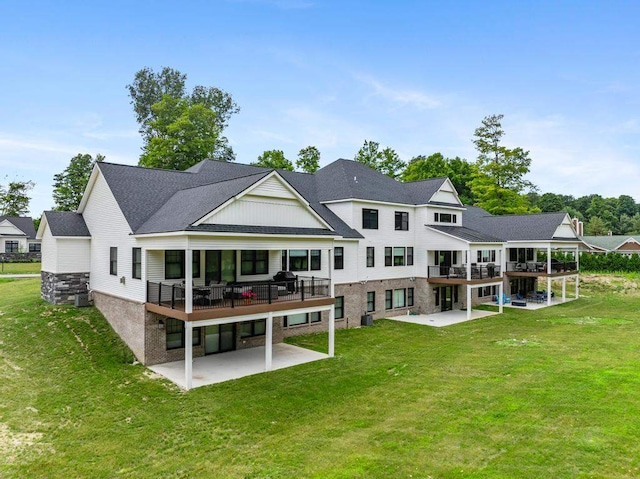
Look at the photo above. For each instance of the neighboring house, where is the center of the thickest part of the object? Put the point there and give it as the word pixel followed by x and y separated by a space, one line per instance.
pixel 18 235
pixel 182 263
pixel 623 244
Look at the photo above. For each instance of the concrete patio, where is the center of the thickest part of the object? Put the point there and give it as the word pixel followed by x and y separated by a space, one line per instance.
pixel 446 318
pixel 218 368
pixel 533 306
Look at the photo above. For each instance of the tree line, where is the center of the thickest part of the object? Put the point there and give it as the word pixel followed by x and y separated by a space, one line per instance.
pixel 180 128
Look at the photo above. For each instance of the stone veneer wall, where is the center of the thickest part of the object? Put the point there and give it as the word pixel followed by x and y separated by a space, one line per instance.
pixel 127 318
pixel 62 288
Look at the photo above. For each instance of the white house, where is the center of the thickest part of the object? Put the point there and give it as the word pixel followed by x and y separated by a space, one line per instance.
pixel 188 263
pixel 18 235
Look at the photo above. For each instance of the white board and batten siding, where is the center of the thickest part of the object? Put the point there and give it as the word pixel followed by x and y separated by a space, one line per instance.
pixel 109 228
pixel 446 194
pixel 270 203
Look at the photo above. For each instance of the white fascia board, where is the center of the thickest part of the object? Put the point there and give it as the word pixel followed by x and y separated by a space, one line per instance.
pixel 42 226
pixel 87 191
pixel 248 190
pixel 252 317
pixel 444 207
pixel 373 202
pixel 186 234
pixel 88 238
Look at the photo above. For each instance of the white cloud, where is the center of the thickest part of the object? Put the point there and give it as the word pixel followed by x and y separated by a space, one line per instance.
pixel 400 97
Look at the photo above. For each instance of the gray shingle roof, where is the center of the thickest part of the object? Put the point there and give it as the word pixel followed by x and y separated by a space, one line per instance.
pixel 66 223
pixel 607 242
pixel 466 234
pixel 23 223
pixel 530 227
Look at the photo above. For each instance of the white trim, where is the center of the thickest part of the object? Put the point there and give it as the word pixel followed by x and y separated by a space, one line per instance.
pixel 464 240
pixel 216 234
pixel 255 185
pixel 92 180
pixel 253 317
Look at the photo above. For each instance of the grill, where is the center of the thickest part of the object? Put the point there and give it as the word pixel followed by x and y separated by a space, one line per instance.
pixel 286 277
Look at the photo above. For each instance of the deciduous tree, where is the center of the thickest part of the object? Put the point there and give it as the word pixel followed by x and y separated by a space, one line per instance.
pixel 385 161
pixel 274 159
pixel 69 185
pixel 14 198
pixel 308 159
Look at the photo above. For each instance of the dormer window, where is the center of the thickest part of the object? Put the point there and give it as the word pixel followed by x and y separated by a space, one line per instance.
pixel 445 218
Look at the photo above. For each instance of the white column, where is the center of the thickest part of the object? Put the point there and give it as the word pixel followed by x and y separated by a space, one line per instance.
pixel 188 281
pixel 549 259
pixel 500 298
pixel 564 289
pixel 548 290
pixel 577 286
pixel 188 354
pixel 468 301
pixel 331 290
pixel 577 258
pixel 332 331
pixel 503 261
pixel 268 343
pixel 469 264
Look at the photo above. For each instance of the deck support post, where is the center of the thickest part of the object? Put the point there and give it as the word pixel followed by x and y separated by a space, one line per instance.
pixel 577 286
pixel 332 331
pixel 469 300
pixel 501 297
pixel 564 289
pixel 549 277
pixel 268 343
pixel 188 355
pixel 188 281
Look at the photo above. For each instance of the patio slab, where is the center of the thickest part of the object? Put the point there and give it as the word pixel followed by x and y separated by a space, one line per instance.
pixel 447 318
pixel 218 368
pixel 533 306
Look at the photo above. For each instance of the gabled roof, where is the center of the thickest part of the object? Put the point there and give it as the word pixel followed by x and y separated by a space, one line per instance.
pixel 66 223
pixel 609 242
pixel 23 223
pixel 157 200
pixel 529 227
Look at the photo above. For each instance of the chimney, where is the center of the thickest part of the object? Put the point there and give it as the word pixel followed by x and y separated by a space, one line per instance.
pixel 578 226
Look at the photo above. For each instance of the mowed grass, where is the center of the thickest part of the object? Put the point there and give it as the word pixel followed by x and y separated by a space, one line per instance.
pixel 548 394
pixel 19 268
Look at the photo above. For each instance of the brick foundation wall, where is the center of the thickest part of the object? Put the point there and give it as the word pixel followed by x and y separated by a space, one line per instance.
pixel 127 318
pixel 62 288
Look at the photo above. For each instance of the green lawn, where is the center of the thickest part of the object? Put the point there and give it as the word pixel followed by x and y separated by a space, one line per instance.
pixel 19 268
pixel 547 394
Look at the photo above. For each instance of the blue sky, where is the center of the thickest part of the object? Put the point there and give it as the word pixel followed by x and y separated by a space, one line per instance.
pixel 417 76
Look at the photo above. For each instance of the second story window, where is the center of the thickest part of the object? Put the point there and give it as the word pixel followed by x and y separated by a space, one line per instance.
pixel 113 261
pixel 445 218
pixel 402 221
pixel 371 256
pixel 369 219
pixel 338 258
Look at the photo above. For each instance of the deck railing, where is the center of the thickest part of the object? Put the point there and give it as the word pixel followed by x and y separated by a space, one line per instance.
pixel 235 295
pixel 460 272
pixel 541 266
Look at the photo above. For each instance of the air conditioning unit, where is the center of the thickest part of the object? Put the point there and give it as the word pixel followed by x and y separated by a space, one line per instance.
pixel 82 300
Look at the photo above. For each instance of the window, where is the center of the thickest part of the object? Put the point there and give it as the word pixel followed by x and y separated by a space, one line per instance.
pixel 250 329
pixel 113 261
pixel 254 262
pixel 388 299
pixel 175 334
pixel 136 263
pixel 34 247
pixel 388 259
pixel 410 292
pixel 371 256
pixel 298 260
pixel 302 318
pixel 445 218
pixel 10 246
pixel 284 260
pixel 369 219
pixel 402 221
pixel 487 291
pixel 316 262
pixel 398 256
pixel 410 256
pixel 399 298
pixel 486 256
pixel 436 291
pixel 339 307
pixel 174 264
pixel 371 301
pixel 338 257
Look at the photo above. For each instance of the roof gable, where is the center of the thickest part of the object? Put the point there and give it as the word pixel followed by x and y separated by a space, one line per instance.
pixel 23 224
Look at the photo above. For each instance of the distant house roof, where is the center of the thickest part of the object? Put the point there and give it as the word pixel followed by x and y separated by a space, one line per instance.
pixel 610 242
pixel 23 223
pixel 529 227
pixel 66 223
